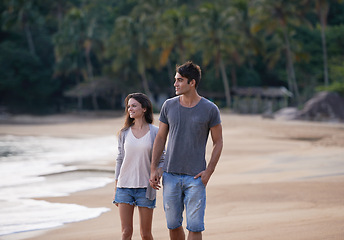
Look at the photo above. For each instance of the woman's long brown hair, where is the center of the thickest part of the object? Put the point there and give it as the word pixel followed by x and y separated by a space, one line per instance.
pixel 145 103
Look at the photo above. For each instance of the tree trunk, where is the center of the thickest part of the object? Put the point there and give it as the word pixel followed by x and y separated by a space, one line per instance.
pixel 290 67
pixel 323 11
pixel 323 39
pixel 146 87
pixel 170 75
pixel 95 101
pixel 181 51
pixel 234 76
pixel 29 39
pixel 290 85
pixel 80 103
pixel 88 46
pixel 59 15
pixel 145 83
pixel 225 83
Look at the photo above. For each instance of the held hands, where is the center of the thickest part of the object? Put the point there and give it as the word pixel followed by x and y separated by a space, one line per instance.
pixel 155 177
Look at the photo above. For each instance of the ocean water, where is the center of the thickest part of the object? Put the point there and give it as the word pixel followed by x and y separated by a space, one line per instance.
pixel 32 167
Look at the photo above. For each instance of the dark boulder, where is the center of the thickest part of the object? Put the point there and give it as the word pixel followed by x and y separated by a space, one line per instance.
pixel 324 106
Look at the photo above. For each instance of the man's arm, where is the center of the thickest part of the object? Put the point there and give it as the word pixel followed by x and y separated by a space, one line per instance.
pixel 216 136
pixel 158 148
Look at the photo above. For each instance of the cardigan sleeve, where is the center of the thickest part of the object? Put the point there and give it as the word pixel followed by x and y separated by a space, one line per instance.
pixel 120 155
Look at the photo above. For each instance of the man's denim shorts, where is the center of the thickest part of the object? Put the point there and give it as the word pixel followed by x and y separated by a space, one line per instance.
pixel 134 196
pixel 179 189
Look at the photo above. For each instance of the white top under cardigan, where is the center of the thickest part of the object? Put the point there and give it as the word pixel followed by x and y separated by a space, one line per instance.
pixel 135 169
pixel 120 165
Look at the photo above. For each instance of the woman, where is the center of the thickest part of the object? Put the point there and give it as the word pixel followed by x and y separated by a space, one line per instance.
pixel 135 143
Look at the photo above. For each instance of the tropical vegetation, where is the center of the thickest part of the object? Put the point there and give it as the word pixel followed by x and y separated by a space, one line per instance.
pixel 61 55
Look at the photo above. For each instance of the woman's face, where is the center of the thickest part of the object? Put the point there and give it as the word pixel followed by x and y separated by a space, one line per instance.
pixel 135 109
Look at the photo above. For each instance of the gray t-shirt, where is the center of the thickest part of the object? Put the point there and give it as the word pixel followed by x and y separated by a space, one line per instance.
pixel 188 134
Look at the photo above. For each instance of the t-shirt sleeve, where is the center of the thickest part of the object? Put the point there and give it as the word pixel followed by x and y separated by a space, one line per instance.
pixel 163 114
pixel 214 116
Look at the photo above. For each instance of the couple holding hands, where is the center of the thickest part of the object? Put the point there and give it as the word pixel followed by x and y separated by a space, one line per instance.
pixel 142 161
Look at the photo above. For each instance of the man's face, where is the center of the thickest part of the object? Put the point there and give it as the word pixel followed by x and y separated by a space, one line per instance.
pixel 181 84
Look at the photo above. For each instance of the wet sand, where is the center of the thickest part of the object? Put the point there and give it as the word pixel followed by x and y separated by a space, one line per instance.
pixel 275 180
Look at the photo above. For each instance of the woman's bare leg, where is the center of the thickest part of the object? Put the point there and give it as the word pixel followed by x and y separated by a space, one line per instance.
pixel 146 218
pixel 126 213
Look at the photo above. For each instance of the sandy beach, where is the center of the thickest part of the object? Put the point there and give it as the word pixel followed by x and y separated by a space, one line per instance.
pixel 275 180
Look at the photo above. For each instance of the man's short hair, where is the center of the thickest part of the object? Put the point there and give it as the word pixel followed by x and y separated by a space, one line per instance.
pixel 191 71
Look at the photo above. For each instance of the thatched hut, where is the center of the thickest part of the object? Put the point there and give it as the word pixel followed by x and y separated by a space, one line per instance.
pixel 253 100
pixel 97 88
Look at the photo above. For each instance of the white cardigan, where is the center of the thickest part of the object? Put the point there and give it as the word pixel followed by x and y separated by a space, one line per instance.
pixel 151 193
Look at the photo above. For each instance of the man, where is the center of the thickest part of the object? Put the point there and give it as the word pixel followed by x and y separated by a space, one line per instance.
pixel 187 119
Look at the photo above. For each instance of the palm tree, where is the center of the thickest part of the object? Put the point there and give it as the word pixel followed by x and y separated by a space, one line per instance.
pixel 278 17
pixel 250 45
pixel 69 48
pixel 79 39
pixel 215 38
pixel 134 47
pixel 22 13
pixel 132 36
pixel 174 34
pixel 172 38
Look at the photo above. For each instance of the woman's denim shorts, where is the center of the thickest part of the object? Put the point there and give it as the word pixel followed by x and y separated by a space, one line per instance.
pixel 134 196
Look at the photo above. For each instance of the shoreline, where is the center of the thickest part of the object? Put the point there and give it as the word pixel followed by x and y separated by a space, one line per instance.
pixel 274 178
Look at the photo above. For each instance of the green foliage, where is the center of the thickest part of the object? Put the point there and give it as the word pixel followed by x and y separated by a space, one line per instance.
pixel 249 77
pixel 335 35
pixel 337 69
pixel 337 87
pixel 49 47
pixel 336 12
pixel 26 84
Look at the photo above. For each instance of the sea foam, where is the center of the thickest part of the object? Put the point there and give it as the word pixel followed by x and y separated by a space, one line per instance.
pixel 33 167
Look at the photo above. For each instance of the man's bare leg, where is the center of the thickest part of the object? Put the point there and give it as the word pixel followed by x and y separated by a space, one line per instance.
pixel 195 235
pixel 177 233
